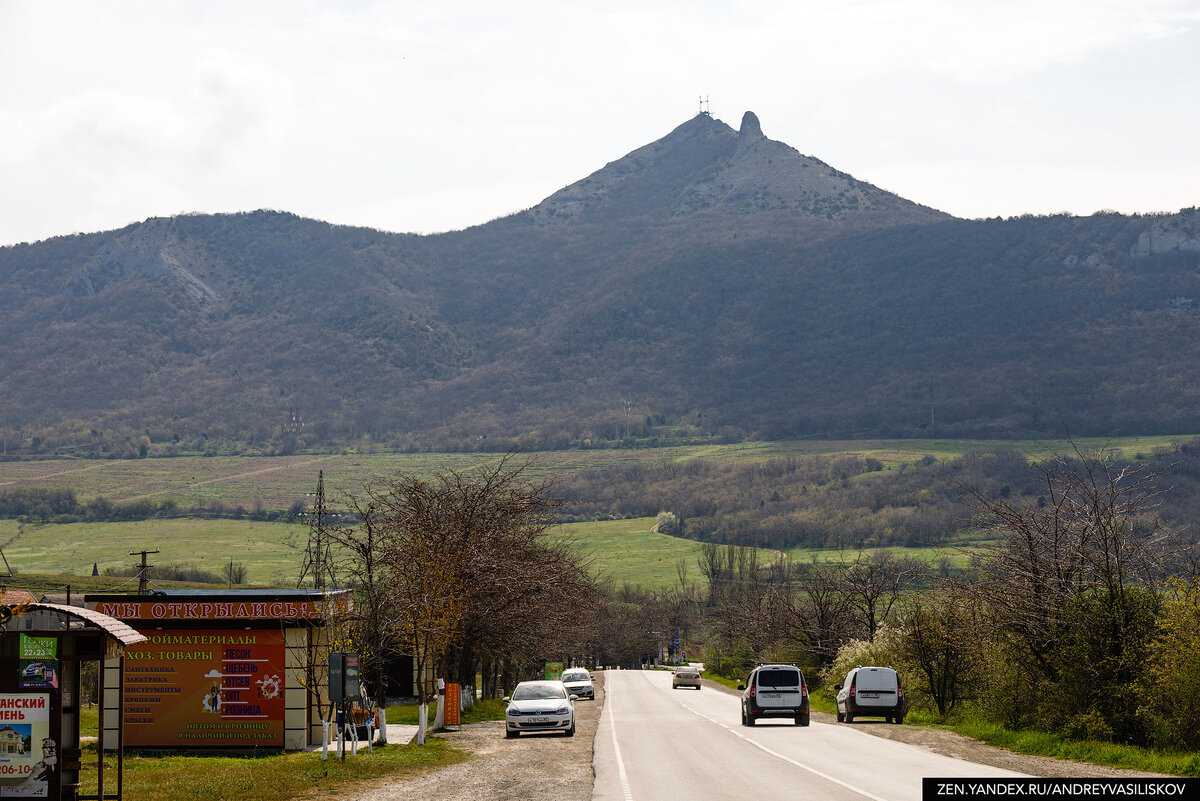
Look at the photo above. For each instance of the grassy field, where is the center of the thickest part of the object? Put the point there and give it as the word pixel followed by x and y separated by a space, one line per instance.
pixel 619 551
pixel 276 482
pixel 627 551
pixel 622 551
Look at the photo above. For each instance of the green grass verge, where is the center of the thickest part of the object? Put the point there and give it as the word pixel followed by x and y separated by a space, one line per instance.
pixel 409 714
pixel 274 777
pixel 1040 743
pixel 1047 744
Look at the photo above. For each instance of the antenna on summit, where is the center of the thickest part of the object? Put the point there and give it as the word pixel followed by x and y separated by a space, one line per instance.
pixel 704 105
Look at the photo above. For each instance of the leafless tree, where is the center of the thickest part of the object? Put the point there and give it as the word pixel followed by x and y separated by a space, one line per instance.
pixel 874 582
pixel 1092 530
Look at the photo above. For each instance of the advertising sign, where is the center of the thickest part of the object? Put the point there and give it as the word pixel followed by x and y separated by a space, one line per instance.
pixel 28 757
pixel 38 663
pixel 191 688
pixel 554 671
pixel 222 610
pixel 453 704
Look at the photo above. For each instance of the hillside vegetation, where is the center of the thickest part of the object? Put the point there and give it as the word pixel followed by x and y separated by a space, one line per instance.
pixel 714 285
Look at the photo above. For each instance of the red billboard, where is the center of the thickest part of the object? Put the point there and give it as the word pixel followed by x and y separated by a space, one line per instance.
pixel 194 688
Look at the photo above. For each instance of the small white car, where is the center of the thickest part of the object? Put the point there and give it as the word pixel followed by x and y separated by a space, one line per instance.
pixel 540 706
pixel 579 682
pixel 685 677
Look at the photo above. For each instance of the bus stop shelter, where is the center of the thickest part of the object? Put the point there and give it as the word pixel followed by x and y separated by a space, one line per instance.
pixel 42 650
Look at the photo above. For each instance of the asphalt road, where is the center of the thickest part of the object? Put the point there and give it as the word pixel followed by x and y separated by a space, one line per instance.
pixel 654 742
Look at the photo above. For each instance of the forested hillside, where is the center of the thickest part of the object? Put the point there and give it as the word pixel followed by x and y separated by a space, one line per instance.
pixel 714 284
pixel 852 502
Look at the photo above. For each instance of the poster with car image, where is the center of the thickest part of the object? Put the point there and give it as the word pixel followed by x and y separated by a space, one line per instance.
pixel 218 688
pixel 28 755
pixel 38 663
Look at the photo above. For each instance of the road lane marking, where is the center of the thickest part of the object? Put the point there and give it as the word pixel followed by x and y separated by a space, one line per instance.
pixel 612 725
pixel 775 754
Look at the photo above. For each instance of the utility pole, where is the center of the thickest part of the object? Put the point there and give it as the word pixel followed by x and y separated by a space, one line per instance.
pixel 142 571
pixel 318 556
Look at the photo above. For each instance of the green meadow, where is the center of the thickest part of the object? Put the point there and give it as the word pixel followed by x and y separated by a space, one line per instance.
pixel 276 482
pixel 618 551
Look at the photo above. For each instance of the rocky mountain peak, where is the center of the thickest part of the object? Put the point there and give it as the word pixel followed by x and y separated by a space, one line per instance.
pixel 704 166
pixel 751 130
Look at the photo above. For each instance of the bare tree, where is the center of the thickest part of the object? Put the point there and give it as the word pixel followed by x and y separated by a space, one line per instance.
pixel 874 583
pixel 814 609
pixel 1091 530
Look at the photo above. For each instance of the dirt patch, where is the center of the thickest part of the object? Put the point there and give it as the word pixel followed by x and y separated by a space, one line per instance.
pixel 532 766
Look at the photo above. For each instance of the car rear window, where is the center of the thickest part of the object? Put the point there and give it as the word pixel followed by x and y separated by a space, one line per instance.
pixel 778 677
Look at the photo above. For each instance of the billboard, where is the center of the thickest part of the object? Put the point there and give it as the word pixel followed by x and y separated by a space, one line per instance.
pixel 195 688
pixel 28 756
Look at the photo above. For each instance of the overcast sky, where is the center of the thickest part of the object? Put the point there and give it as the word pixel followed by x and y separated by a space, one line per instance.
pixel 428 116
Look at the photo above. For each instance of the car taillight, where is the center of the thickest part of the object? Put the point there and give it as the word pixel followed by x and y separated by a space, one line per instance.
pixel 852 688
pixel 804 690
pixel 753 690
pixel 899 689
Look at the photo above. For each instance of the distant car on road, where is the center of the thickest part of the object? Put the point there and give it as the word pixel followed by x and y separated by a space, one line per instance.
pixel 579 682
pixel 685 677
pixel 540 706
pixel 874 691
pixel 777 691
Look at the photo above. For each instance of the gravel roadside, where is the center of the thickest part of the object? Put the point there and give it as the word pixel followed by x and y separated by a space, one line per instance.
pixel 532 768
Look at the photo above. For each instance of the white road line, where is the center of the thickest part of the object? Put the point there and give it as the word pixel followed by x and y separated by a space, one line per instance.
pixel 612 725
pixel 775 754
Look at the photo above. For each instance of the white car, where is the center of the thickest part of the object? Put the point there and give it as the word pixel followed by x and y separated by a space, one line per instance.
pixel 685 677
pixel 540 706
pixel 579 682
pixel 875 691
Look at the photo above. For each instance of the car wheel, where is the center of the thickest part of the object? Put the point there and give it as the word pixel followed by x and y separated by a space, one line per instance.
pixel 801 720
pixel 849 717
pixel 749 718
pixel 509 734
pixel 841 718
pixel 898 719
pixel 571 731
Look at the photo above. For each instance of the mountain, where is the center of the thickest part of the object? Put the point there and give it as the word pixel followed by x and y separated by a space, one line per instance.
pixel 712 284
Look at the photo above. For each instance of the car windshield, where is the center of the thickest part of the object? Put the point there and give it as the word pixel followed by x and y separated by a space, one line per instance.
pixel 580 675
pixel 533 692
pixel 778 678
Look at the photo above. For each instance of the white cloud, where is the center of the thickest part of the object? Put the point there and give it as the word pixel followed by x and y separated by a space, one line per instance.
pixel 429 114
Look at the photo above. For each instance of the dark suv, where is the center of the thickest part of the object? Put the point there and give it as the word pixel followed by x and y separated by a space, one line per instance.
pixel 775 691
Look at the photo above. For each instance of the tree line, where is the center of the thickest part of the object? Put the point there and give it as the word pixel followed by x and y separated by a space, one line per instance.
pixel 1079 618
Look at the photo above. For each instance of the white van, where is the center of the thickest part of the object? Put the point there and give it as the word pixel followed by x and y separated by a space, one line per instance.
pixel 870 691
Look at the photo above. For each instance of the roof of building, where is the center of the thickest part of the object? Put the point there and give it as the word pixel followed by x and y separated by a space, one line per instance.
pixel 117 629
